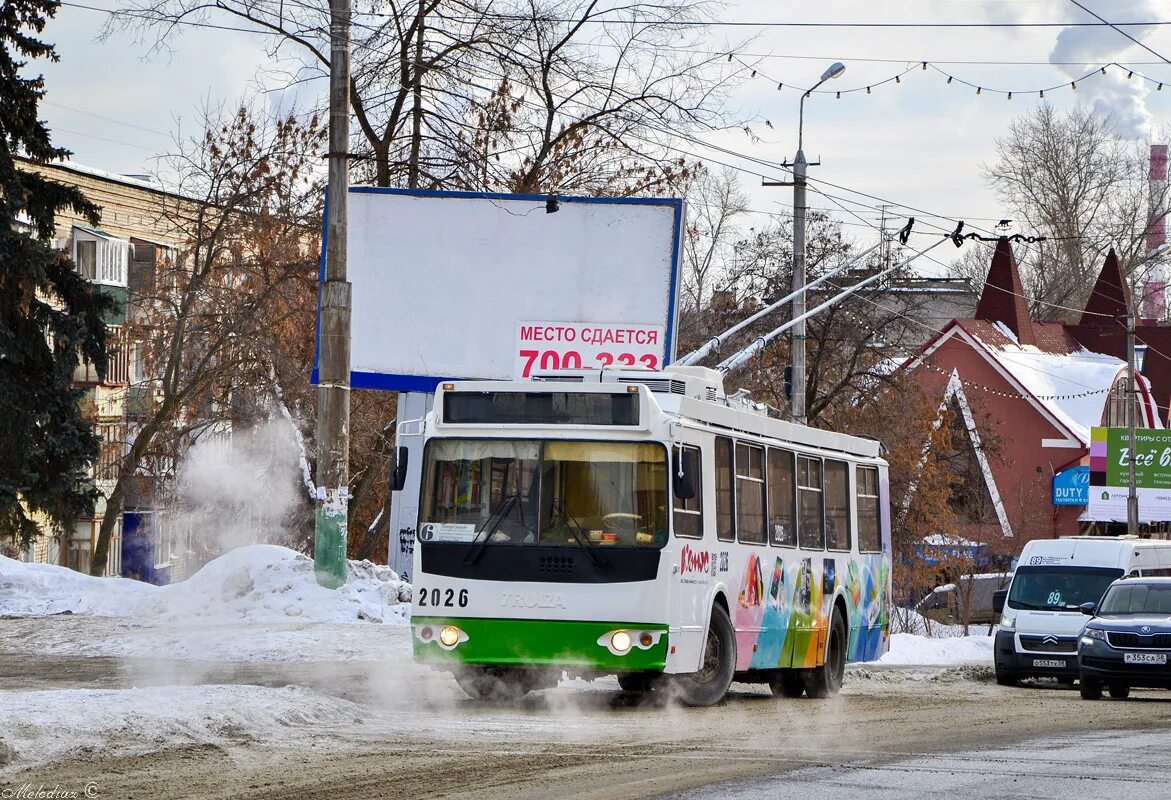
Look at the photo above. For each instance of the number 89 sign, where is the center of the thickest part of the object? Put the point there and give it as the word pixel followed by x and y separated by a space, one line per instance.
pixel 551 346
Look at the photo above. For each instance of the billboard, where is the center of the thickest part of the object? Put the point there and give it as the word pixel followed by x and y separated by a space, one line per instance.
pixel 1071 487
pixel 1110 454
pixel 473 285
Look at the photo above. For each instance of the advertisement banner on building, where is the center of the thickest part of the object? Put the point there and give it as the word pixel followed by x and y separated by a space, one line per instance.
pixel 1110 454
pixel 1071 487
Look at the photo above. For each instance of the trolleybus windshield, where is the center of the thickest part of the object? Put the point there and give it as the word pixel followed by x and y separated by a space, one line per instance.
pixel 555 492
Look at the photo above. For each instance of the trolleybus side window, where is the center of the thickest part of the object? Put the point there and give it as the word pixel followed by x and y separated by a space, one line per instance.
pixel 837 505
pixel 781 498
pixel 809 510
pixel 869 534
pixel 725 491
pixel 688 513
pixel 750 495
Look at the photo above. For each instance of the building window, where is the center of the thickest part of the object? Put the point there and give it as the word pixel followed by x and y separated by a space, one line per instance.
pixel 837 505
pixel 101 258
pixel 869 532
pixel 86 258
pixel 725 492
pixel 112 448
pixel 688 513
pixel 782 498
pixel 1115 416
pixel 750 493
pixel 810 531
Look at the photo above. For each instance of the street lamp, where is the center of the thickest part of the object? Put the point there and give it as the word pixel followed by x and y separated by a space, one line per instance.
pixel 1132 366
pixel 800 165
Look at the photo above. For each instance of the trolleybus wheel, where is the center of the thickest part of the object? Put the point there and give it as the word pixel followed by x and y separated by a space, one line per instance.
pixel 708 686
pixel 640 682
pixel 486 683
pixel 787 683
pixel 826 680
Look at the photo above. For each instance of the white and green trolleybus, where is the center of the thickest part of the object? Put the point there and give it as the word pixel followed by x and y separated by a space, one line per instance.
pixel 646 525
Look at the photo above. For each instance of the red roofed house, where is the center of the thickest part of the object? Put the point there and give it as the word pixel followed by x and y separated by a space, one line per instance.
pixel 1028 392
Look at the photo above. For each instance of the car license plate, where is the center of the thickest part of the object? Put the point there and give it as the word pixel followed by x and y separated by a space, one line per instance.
pixel 1058 663
pixel 1144 658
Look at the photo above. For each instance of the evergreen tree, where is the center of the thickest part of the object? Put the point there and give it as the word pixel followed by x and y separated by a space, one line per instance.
pixel 50 317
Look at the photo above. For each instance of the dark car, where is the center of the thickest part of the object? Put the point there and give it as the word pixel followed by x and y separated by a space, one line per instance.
pixel 1127 642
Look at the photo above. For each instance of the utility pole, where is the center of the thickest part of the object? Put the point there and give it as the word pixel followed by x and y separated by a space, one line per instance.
pixel 797 340
pixel 1132 493
pixel 800 167
pixel 333 388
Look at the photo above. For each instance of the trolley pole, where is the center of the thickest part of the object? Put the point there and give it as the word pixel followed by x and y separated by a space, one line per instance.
pixel 333 388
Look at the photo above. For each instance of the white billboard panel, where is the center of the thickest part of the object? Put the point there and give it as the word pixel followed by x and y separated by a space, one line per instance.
pixel 444 281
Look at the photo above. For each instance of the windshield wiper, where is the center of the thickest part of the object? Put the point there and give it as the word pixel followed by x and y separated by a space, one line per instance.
pixel 599 561
pixel 1021 605
pixel 490 527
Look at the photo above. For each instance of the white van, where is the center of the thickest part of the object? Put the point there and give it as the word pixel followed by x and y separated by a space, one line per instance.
pixel 1041 616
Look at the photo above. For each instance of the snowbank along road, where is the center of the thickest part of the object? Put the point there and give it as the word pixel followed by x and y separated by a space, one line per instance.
pixel 270 700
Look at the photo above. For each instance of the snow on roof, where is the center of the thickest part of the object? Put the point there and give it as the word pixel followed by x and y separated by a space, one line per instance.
pixel 1074 387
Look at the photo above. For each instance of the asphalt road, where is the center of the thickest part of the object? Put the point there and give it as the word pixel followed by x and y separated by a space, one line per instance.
pixel 1128 764
pixel 904 733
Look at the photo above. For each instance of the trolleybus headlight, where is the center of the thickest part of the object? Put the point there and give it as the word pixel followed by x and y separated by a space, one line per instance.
pixel 426 633
pixel 449 636
pixel 645 640
pixel 620 641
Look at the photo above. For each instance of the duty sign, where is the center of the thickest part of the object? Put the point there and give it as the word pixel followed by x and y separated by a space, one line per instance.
pixel 550 346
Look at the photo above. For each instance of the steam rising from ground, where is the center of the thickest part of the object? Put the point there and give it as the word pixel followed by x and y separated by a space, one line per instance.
pixel 238 489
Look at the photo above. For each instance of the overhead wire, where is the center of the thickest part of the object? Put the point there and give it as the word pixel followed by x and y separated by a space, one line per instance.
pixel 1119 30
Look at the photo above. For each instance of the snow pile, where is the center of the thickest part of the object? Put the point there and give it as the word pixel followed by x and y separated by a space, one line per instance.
pixel 909 649
pixel 257 583
pixel 42 726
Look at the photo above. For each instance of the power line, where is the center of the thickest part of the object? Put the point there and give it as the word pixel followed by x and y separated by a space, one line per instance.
pixel 1119 29
pixel 603 17
pixel 107 119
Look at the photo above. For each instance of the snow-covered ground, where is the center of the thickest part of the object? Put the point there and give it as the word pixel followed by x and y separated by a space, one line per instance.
pixel 909 649
pixel 257 583
pixel 187 658
pixel 43 726
pixel 255 603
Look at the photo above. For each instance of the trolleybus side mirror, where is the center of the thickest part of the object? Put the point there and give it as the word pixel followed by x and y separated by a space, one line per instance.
pixel 398 471
pixel 1088 608
pixel 686 467
pixel 998 598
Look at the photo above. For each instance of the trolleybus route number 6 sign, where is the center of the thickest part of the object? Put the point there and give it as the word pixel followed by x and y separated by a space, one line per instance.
pixel 548 346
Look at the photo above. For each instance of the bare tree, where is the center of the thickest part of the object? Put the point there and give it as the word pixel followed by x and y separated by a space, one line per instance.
pixel 1071 178
pixel 410 61
pixel 601 89
pixel 715 203
pixel 247 207
pixel 513 95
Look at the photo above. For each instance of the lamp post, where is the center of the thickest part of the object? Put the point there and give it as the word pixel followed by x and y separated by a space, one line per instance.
pixel 1131 407
pixel 800 165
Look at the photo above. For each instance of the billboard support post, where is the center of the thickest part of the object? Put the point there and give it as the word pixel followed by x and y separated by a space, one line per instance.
pixel 1132 494
pixel 331 519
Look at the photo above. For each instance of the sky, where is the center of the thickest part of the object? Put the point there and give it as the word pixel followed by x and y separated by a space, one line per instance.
pixel 920 143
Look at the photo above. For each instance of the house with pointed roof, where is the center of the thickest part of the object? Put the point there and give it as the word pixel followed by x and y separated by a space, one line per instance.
pixel 1025 393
